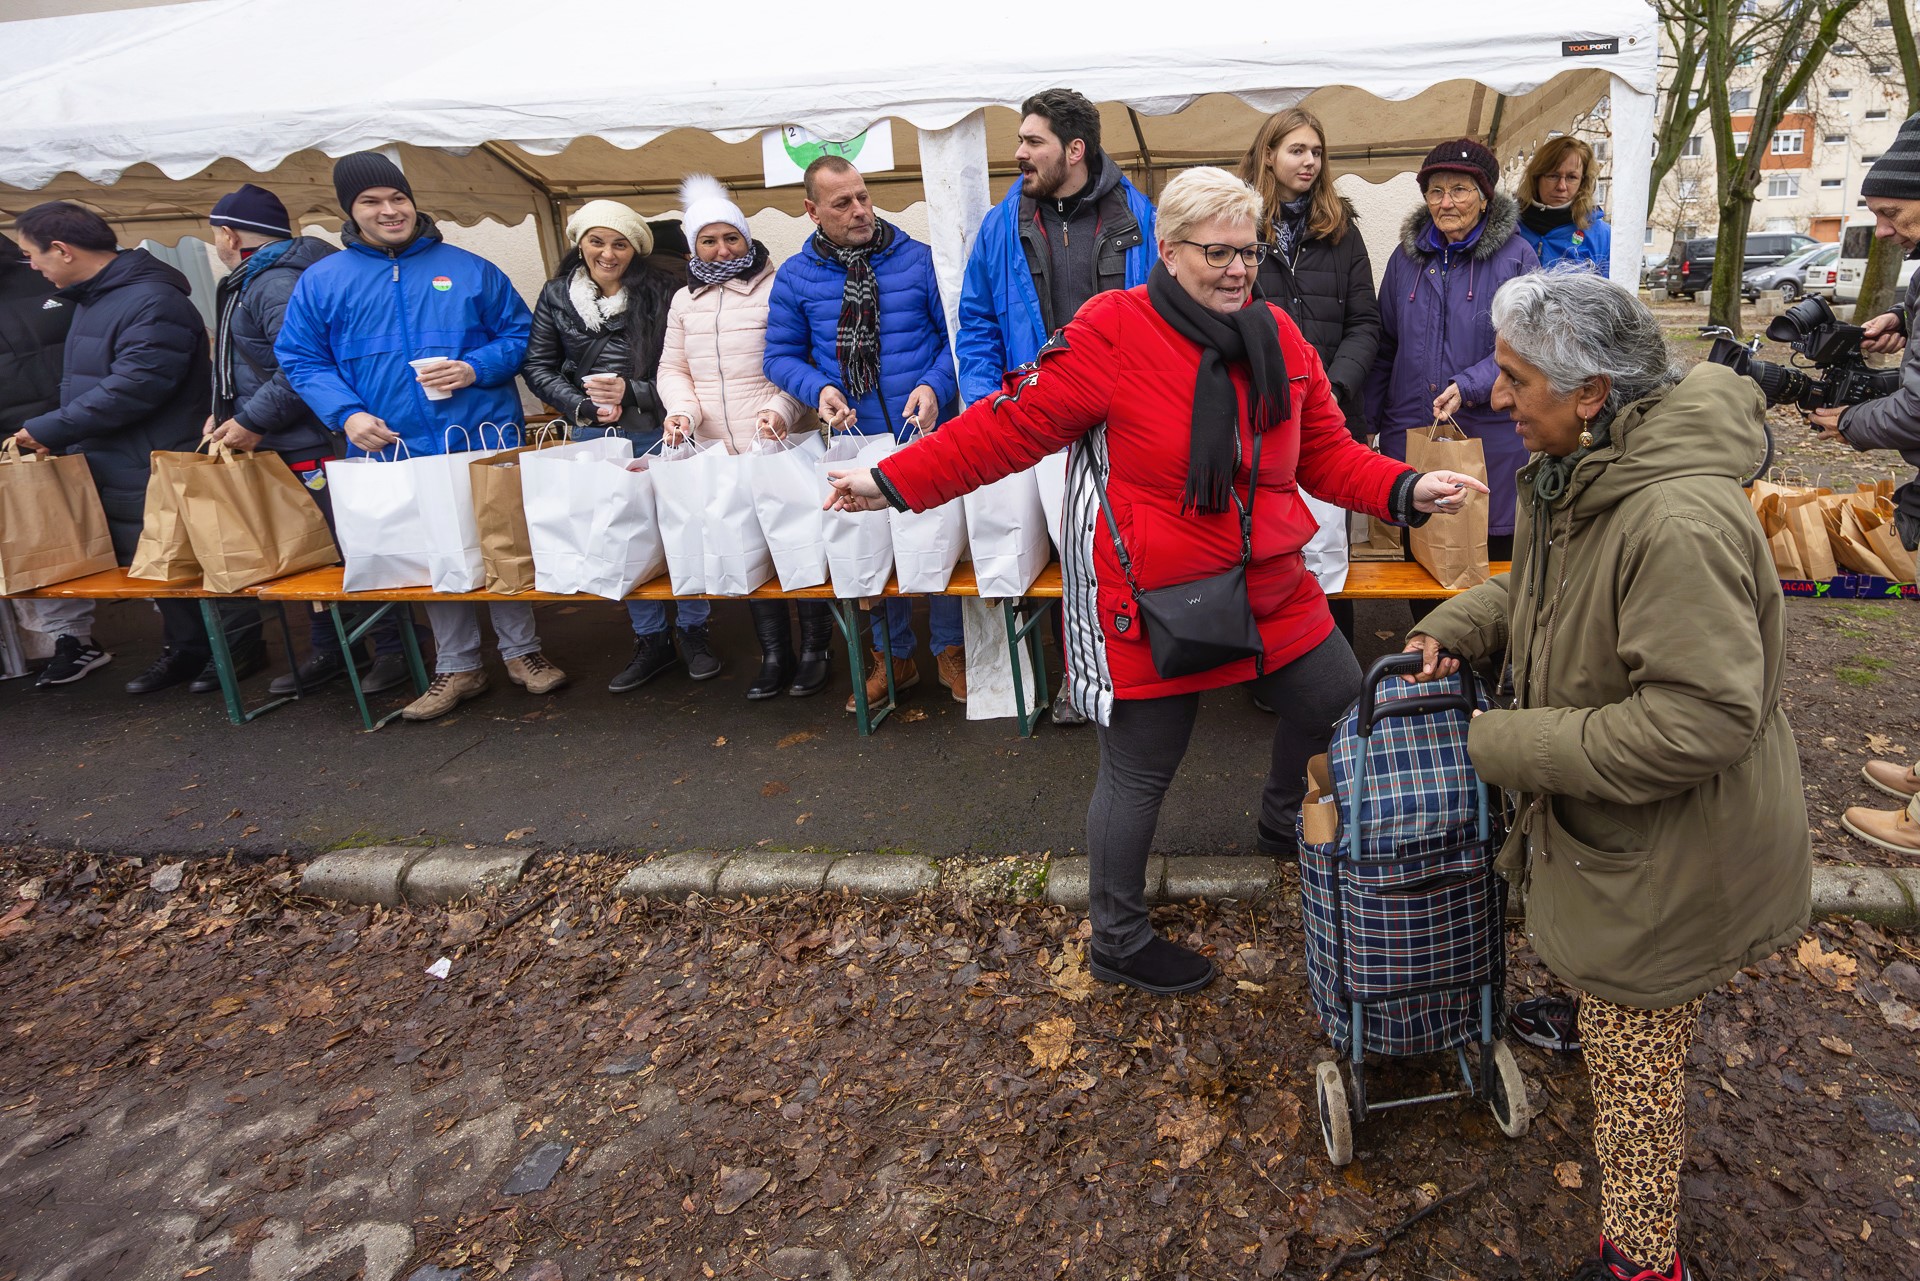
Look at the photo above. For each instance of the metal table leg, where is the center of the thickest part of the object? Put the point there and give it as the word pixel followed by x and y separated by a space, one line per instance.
pixel 223 662
pixel 1027 632
pixel 846 616
pixel 409 643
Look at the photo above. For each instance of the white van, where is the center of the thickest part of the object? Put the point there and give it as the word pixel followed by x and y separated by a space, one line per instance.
pixel 1854 242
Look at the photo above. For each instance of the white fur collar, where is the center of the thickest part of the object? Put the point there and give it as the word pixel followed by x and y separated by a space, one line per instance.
pixel 593 308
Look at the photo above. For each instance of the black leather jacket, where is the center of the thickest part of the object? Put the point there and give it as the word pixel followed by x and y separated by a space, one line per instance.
pixel 562 351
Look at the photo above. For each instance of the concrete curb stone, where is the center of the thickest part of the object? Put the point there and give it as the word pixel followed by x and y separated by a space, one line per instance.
pixel 372 874
pixel 1874 894
pixel 1067 881
pixel 882 876
pixel 677 875
pixel 1220 877
pixel 449 875
pixel 764 873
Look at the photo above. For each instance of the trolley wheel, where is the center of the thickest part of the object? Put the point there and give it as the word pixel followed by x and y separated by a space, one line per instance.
pixel 1336 1126
pixel 1507 1092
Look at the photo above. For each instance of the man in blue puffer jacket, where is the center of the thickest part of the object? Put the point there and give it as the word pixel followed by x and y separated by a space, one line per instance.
pixel 1071 227
pixel 855 328
pixel 396 294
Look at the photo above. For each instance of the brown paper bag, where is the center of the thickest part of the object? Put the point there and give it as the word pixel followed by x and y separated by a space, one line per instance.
pixel 506 551
pixel 1319 812
pixel 165 553
pixel 1453 547
pixel 1788 560
pixel 1810 539
pixel 1382 542
pixel 250 521
pixel 1850 547
pixel 1876 524
pixel 52 527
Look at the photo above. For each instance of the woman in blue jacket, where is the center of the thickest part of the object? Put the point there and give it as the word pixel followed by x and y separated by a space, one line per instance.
pixel 1558 217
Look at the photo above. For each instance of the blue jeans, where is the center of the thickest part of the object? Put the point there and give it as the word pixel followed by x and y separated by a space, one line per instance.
pixel 896 625
pixel 650 616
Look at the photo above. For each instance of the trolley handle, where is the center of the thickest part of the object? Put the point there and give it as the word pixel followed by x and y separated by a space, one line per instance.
pixel 1409 664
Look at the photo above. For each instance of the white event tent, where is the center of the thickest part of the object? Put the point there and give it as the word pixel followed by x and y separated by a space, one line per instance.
pixel 504 109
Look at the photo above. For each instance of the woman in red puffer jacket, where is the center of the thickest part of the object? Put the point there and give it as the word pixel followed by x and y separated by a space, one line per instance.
pixel 1162 391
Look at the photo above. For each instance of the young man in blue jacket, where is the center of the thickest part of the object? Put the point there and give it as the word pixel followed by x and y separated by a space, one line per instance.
pixel 855 328
pixel 399 293
pixel 1071 226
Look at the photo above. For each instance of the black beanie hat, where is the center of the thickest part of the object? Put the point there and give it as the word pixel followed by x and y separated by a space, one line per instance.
pixel 1463 155
pixel 354 173
pixel 1896 174
pixel 252 209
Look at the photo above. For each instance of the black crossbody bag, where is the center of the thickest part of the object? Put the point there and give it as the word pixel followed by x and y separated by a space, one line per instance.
pixel 1208 623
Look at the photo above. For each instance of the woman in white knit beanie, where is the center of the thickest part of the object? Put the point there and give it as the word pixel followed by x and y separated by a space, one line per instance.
pixel 712 387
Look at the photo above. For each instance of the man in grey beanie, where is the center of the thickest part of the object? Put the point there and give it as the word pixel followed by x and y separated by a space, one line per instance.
pixel 1892 193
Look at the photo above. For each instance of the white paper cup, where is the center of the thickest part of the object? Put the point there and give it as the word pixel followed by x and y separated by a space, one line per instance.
pixel 422 365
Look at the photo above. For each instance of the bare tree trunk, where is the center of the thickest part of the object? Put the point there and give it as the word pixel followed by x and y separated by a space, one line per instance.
pixel 1729 260
pixel 1882 276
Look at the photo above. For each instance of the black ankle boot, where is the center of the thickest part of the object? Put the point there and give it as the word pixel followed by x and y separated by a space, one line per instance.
pixel 811 673
pixel 771 625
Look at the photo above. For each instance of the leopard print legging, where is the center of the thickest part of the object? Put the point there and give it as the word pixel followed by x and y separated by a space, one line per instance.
pixel 1635 1062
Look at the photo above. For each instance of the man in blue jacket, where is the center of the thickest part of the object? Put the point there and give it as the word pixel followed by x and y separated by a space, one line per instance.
pixel 136 380
pixel 399 293
pixel 1071 227
pixel 855 328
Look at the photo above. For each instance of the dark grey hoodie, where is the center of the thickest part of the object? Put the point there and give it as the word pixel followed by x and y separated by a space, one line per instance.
pixel 1070 230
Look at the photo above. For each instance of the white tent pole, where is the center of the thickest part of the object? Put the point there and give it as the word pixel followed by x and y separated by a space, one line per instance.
pixel 953 172
pixel 1631 118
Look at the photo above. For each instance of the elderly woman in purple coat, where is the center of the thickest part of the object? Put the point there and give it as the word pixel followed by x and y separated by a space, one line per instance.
pixel 1436 315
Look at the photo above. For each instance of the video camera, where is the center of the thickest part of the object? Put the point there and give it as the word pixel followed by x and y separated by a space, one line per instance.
pixel 1810 328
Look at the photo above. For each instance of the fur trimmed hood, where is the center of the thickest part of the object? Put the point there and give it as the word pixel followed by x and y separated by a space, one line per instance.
pixel 1502 220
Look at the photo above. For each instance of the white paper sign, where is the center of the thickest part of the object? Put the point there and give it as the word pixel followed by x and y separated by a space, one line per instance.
pixel 786 152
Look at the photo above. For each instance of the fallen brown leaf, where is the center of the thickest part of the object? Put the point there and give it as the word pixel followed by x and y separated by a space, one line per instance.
pixel 225 1005
pixel 1838 1046
pixel 802 820
pixel 1835 969
pixel 315 1001
pixel 720 741
pixel 798 736
pixel 1901 1015
pixel 1192 1124
pixel 521 833
pixel 1567 1174
pixel 359 1097
pixel 1051 1041
pixel 737 1187
pixel 775 788
pixel 1069 974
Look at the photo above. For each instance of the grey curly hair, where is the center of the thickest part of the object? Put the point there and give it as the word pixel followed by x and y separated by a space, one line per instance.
pixel 1573 325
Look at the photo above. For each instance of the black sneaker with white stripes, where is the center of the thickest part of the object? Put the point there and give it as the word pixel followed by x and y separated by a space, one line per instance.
pixel 72 659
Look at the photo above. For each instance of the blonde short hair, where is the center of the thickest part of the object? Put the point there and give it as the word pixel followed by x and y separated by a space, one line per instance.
pixel 1200 195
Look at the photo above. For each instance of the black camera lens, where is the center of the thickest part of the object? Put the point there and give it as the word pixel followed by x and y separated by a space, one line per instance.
pixel 1801 319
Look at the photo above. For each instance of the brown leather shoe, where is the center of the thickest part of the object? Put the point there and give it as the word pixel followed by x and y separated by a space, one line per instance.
pixel 447 691
pixel 1896 780
pixel 1892 830
pixel 950 666
pixel 535 673
pixel 905 677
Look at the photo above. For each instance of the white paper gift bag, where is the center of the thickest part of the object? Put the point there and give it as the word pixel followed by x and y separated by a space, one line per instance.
pixel 1326 552
pixel 859 544
pixel 378 523
pixel 680 483
pixel 927 545
pixel 734 549
pixel 787 494
pixel 1051 473
pixel 590 518
pixel 1007 533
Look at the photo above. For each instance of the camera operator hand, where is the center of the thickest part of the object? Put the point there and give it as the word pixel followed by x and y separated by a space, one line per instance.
pixel 1883 334
pixel 1827 421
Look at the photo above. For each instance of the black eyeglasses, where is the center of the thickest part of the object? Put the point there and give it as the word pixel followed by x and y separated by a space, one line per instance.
pixel 1221 255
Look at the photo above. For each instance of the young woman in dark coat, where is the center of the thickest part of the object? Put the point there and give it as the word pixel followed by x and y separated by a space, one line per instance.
pixel 1318 271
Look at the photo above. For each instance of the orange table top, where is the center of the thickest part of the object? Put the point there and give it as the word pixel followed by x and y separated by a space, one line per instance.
pixel 116 584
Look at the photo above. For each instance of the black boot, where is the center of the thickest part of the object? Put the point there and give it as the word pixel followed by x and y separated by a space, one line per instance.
pixel 771 625
pixel 173 667
pixel 811 673
pixel 702 663
pixel 652 654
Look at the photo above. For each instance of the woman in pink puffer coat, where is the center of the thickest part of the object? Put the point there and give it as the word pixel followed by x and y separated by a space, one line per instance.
pixel 711 386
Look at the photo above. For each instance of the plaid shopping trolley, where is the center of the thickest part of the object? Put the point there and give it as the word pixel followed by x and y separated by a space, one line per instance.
pixel 1405 915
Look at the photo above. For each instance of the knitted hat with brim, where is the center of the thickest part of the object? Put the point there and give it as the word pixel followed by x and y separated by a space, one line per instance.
pixel 1463 155
pixel 614 216
pixel 252 209
pixel 1896 174
pixel 362 171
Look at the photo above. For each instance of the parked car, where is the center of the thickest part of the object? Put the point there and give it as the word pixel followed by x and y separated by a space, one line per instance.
pixel 1653 273
pixel 1790 274
pixel 1854 243
pixel 1693 259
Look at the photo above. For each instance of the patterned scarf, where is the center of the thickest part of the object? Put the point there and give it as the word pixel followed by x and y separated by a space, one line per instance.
pixel 856 344
pixel 1287 228
pixel 700 274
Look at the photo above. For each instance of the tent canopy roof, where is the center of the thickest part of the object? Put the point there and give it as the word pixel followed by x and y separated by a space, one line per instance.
pixel 150 114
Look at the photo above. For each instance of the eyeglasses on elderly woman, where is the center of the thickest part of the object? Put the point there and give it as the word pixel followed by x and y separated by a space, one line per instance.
pixel 1219 255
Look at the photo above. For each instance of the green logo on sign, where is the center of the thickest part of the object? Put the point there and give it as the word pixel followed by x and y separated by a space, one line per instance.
pixel 804 153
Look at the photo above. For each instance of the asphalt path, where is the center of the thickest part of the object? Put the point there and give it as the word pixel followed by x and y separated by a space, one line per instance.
pixel 675 765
